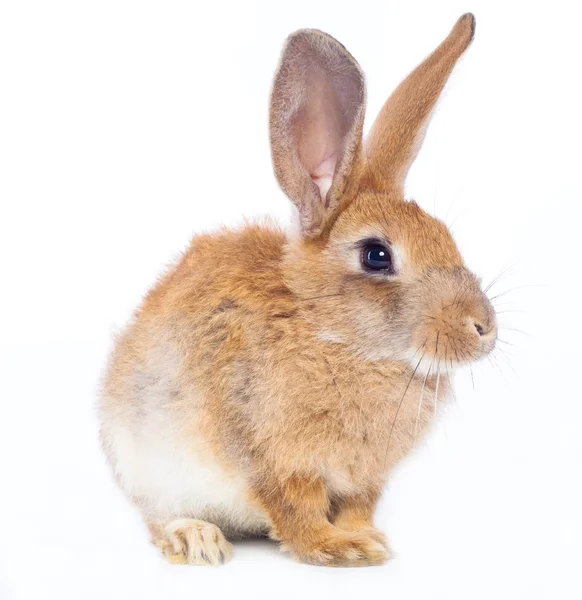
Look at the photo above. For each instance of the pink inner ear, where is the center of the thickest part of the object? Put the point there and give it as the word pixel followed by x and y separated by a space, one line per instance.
pixel 322 174
pixel 320 127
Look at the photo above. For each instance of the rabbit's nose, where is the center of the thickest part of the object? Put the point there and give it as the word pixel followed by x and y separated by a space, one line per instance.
pixel 484 329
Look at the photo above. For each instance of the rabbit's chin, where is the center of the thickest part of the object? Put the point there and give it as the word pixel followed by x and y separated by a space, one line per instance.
pixel 427 364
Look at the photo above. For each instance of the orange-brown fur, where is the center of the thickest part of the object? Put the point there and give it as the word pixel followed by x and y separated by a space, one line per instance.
pixel 288 364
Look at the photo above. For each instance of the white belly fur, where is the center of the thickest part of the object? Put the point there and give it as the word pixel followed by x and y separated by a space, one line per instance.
pixel 167 481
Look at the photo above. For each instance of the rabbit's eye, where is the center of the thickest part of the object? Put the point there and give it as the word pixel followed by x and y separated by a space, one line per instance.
pixel 377 257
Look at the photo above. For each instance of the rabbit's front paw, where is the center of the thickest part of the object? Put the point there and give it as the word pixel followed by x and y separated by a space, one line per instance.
pixel 190 541
pixel 347 549
pixel 377 536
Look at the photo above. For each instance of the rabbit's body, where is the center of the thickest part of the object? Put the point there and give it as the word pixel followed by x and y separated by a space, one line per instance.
pixel 269 382
pixel 221 374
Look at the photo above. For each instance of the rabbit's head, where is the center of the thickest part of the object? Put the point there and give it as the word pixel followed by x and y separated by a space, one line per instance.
pixel 373 271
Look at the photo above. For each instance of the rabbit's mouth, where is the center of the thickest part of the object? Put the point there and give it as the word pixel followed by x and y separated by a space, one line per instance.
pixel 446 353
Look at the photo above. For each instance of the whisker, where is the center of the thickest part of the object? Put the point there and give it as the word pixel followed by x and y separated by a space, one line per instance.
pixel 447 306
pixel 496 366
pixel 319 297
pixel 458 296
pixel 503 273
pixel 451 388
pixel 505 358
pixel 454 201
pixel 517 287
pixel 464 294
pixel 400 405
pixel 456 354
pixel 436 389
pixel 420 400
pixel 446 350
pixel 513 329
pixel 419 349
pixel 506 303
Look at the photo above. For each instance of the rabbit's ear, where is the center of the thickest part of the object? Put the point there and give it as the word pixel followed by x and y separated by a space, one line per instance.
pixel 399 129
pixel 316 119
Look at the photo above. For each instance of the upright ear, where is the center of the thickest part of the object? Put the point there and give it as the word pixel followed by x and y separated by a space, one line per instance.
pixel 316 119
pixel 399 130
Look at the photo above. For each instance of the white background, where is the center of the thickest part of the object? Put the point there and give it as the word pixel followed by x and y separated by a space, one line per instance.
pixel 127 126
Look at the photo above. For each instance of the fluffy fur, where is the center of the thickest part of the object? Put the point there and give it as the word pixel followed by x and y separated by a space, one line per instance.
pixel 268 384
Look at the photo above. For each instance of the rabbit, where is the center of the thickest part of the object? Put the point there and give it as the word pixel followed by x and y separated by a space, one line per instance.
pixel 271 380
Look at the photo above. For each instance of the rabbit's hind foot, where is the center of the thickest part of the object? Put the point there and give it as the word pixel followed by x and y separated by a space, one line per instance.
pixel 191 542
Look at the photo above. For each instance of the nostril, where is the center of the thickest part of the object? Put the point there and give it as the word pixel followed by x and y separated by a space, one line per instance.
pixel 479 328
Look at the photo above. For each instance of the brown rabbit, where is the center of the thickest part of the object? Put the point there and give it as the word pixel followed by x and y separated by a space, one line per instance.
pixel 269 382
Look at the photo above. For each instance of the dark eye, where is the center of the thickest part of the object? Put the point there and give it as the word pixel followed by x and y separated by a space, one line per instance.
pixel 377 257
